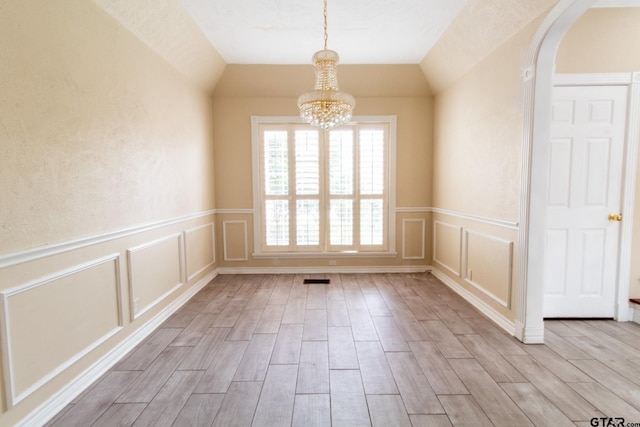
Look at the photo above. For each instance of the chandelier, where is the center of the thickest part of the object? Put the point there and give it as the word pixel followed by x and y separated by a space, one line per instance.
pixel 326 106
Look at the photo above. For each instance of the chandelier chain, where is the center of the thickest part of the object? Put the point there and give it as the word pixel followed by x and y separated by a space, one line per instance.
pixel 326 35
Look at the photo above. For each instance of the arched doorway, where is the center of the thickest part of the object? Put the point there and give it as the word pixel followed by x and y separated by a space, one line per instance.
pixel 539 80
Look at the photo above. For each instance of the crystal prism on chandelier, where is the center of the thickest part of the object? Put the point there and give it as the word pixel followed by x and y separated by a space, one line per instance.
pixel 327 106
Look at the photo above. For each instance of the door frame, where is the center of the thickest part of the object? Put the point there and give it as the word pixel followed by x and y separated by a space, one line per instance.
pixel 538 84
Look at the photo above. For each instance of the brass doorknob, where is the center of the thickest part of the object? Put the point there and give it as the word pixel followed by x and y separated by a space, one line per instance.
pixel 615 217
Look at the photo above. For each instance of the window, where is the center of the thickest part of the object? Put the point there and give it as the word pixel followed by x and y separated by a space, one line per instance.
pixel 321 191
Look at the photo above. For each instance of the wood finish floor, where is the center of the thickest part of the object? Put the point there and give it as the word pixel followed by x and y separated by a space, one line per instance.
pixel 379 349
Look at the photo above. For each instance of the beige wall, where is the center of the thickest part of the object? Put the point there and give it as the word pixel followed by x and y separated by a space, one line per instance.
pixel 97 132
pixel 98 135
pixel 476 175
pixel 603 40
pixel 478 134
pixel 607 41
pixel 246 91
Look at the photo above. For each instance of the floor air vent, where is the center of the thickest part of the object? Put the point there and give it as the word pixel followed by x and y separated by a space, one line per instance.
pixel 316 282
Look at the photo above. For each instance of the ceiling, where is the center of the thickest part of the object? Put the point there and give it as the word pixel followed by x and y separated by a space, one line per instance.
pixel 444 38
pixel 290 31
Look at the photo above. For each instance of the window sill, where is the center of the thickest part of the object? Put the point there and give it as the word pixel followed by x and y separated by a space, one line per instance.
pixel 332 255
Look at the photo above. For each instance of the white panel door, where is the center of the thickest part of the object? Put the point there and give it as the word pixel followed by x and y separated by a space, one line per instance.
pixel 585 183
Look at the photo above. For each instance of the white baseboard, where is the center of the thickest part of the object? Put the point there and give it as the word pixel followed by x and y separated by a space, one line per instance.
pixel 529 335
pixel 325 270
pixel 62 398
pixel 484 308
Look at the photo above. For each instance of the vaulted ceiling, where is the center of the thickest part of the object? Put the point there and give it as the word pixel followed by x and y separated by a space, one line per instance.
pixel 445 37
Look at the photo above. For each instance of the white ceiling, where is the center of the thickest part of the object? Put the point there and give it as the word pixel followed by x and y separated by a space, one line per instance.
pixel 290 31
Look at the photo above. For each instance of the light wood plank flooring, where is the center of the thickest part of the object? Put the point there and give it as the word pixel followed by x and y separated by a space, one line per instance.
pixel 367 349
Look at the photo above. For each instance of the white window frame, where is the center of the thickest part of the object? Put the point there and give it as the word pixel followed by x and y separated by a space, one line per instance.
pixel 390 231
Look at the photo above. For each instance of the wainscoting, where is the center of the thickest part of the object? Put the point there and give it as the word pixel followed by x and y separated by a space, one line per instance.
pixel 38 316
pixel 475 257
pixel 69 311
pixel 413 238
pixel 236 242
pixel 85 304
pixel 409 251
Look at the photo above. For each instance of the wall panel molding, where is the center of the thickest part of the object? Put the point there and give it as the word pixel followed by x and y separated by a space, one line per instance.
pixel 170 286
pixel 83 292
pixel 209 237
pixel 405 237
pixel 505 265
pixel 483 307
pixel 438 250
pixel 62 398
pixel 12 391
pixel 228 247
